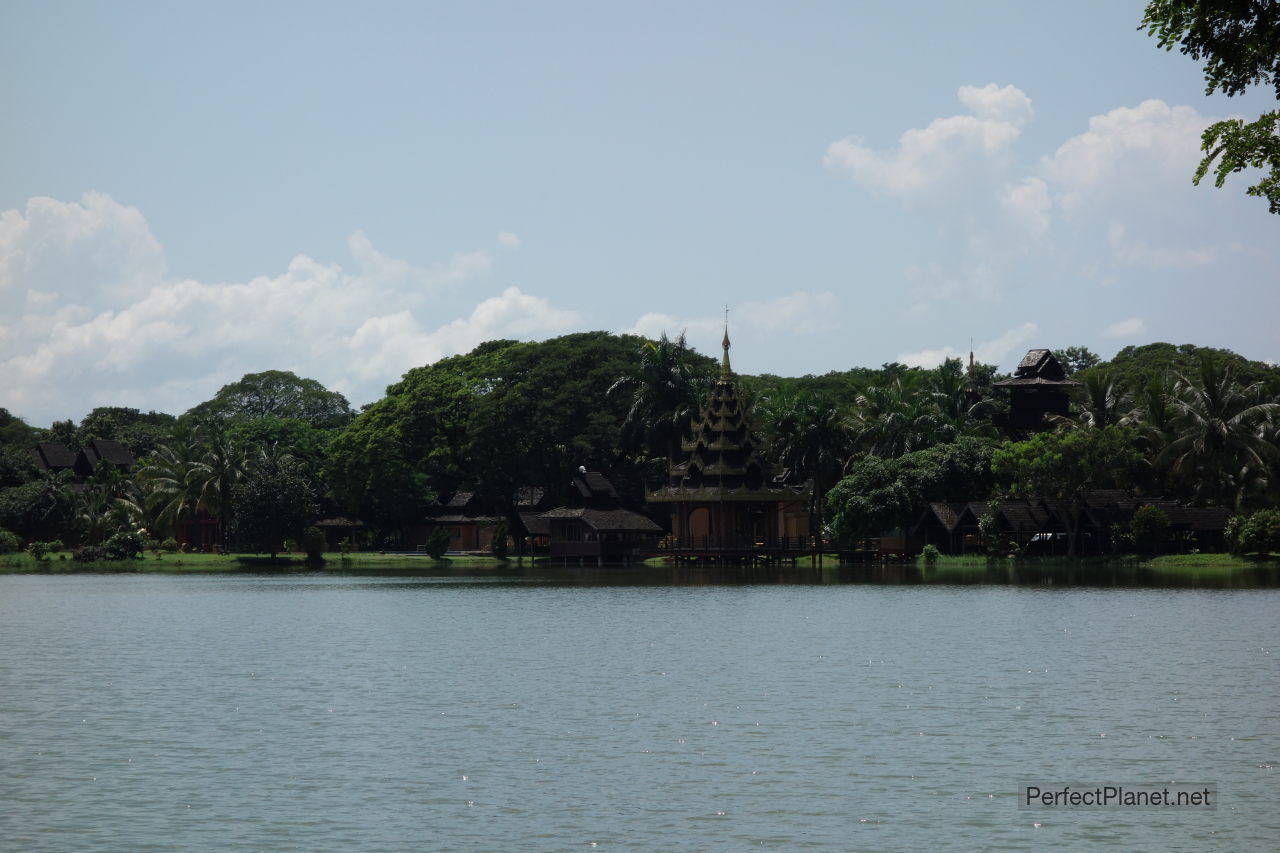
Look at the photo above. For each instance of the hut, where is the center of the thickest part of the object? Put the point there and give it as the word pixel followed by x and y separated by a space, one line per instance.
pixel 595 526
pixel 100 450
pixel 53 456
pixel 472 520
pixel 724 496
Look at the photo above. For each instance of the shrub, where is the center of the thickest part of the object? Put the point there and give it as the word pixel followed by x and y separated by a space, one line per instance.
pixel 9 543
pixel 437 543
pixel 1121 539
pixel 39 551
pixel 996 543
pixel 930 553
pixel 89 554
pixel 1258 533
pixel 498 546
pixel 169 546
pixel 313 542
pixel 123 546
pixel 1150 528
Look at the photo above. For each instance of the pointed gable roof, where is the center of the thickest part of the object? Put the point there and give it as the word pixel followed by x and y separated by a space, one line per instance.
pixel 53 456
pixel 722 455
pixel 1038 367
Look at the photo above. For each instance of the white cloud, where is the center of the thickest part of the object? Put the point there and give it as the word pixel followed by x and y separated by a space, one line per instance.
pixel 1028 205
pixel 1129 149
pixel 995 351
pixel 1137 253
pixel 945 151
pixel 1110 200
pixel 798 314
pixel 507 240
pixel 90 317
pixel 383 345
pixel 97 250
pixel 1126 328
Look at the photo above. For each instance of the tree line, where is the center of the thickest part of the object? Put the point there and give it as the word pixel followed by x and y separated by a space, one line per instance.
pixel 270 454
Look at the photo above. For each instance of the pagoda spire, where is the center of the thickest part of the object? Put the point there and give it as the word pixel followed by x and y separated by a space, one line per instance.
pixel 725 372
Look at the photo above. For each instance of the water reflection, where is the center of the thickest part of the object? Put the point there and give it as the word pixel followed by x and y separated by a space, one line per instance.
pixel 1003 573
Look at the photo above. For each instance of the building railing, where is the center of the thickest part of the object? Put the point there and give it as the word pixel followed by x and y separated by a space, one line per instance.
pixel 780 544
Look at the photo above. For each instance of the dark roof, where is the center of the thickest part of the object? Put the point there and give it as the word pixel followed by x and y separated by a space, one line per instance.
pixel 536 523
pixel 593 484
pixel 530 496
pixel 1102 498
pixel 1038 367
pixel 1034 381
pixel 459 518
pixel 1023 515
pixel 460 499
pixel 53 456
pixel 339 521
pixel 1032 360
pixel 605 520
pixel 100 449
pixel 945 514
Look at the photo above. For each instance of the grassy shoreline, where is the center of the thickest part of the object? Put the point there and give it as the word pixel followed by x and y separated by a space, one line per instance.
pixel 61 563
pixel 1169 569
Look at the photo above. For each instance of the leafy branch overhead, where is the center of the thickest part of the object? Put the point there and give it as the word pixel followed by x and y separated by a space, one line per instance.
pixel 1239 42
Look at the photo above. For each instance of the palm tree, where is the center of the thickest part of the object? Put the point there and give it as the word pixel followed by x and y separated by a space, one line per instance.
pixel 196 471
pixel 1221 452
pixel 167 482
pixel 1154 416
pixel 1105 402
pixel 215 475
pixel 666 394
pixel 893 418
pixel 961 410
pixel 809 436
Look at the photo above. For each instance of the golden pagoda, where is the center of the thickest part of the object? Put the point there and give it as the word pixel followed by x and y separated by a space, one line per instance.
pixel 723 493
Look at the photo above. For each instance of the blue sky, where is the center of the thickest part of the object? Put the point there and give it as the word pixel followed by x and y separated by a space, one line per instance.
pixel 191 192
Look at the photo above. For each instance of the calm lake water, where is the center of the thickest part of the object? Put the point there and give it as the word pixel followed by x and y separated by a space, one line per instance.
pixel 338 713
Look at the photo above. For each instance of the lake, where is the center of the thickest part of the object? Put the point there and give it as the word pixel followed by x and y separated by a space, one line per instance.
pixel 330 712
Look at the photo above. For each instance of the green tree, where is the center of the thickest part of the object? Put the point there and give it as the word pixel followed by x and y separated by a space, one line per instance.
pixel 272 502
pixel 138 431
pixel 878 494
pixel 665 389
pixel 1138 366
pixel 38 509
pixel 1076 359
pixel 1239 42
pixel 1257 533
pixel 1221 454
pixel 809 436
pixel 891 418
pixel 1150 528
pixel 1061 467
pixel 1103 402
pixel 276 394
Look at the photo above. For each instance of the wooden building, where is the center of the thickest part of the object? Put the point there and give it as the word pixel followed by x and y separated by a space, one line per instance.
pixel 595 526
pixel 1038 389
pixel 53 456
pixel 724 495
pixel 99 450
pixel 472 521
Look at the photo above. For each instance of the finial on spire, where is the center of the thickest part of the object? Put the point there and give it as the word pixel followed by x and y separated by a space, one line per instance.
pixel 725 373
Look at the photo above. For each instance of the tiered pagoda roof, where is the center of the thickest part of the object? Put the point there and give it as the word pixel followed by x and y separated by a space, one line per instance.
pixel 722 458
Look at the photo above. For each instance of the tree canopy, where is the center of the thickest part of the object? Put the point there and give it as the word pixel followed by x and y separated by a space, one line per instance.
pixel 276 394
pixel 1239 42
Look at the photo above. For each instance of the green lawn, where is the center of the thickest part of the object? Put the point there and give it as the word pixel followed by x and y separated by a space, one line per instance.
pixel 1170 568
pixel 194 563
